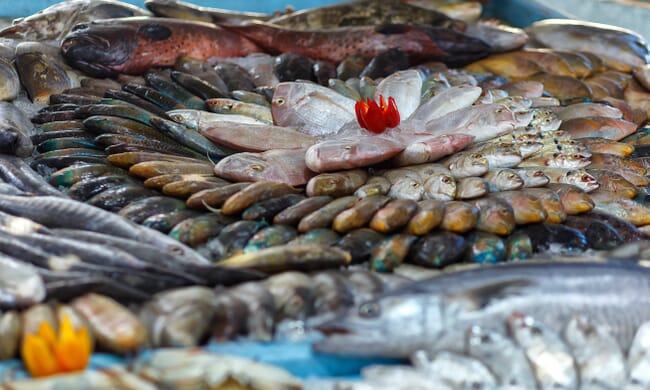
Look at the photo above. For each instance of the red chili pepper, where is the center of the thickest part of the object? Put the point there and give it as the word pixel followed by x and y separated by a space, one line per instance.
pixel 377 117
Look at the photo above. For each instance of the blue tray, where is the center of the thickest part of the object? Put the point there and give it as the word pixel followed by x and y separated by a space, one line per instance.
pixel 519 13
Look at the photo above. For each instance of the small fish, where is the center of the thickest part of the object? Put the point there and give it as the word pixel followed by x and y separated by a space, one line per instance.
pixel 484 121
pixel 336 184
pixel 190 138
pixel 350 152
pixel 499 155
pixel 256 137
pixel 575 177
pixel 278 165
pixel 533 178
pixel 359 214
pixel 170 39
pixel 604 145
pixel 459 217
pixel 574 199
pixel 527 207
pixel 270 236
pixel 254 193
pixel 320 236
pixel 613 182
pixel 267 209
pixel 503 179
pixel 197 230
pixel 232 106
pixel 394 215
pixel 551 202
pixel 376 185
pixel 597 126
pixel 112 324
pixel 548 355
pixel 437 250
pixel 427 217
pixel 470 188
pixel 293 214
pixel 293 295
pixel 214 197
pixel 495 216
pixel 449 100
pixel 465 164
pixel 501 355
pixel 391 252
pixel 150 169
pixel 627 209
pixel 15 131
pixel 304 257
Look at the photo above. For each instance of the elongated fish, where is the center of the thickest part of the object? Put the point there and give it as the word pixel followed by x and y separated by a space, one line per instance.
pixel 108 47
pixel 280 165
pixel 420 42
pixel 441 309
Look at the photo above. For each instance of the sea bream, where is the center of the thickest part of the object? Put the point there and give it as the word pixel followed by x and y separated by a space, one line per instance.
pixel 435 313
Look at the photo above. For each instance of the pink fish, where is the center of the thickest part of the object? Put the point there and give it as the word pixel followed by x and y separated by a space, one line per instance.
pixel 279 165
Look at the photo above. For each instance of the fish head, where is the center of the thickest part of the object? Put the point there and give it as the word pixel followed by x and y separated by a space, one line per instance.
pixel 523 118
pixel 389 326
pixel 100 50
pixel 545 120
pixel 11 142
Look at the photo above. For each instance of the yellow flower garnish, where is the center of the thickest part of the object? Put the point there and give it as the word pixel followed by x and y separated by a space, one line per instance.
pixel 44 354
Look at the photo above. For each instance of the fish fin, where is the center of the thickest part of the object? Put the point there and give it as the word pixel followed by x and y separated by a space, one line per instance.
pixel 391 29
pixel 155 32
pixel 482 296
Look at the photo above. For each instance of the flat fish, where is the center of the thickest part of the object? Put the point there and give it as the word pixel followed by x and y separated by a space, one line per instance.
pixel 281 166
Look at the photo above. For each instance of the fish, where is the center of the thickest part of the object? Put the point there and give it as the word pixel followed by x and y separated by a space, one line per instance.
pixel 446 101
pixel 54 22
pixel 190 138
pixel 350 152
pixel 271 236
pixel 305 257
pixel 360 243
pixel 359 214
pixel 364 13
pixel 551 203
pixel 495 216
pixel 314 109
pixel 15 131
pixel 232 106
pixel 610 128
pixel 424 148
pixel 197 230
pixel 256 137
pixel 369 329
pixel 267 209
pixel 420 42
pixel 112 324
pixel 375 185
pixel 500 37
pixel 627 209
pixel 459 217
pixel 394 215
pixel 504 179
pixel 501 355
pixel 526 206
pixel 95 49
pixel 336 184
pixel 540 345
pixel 182 10
pixel 254 193
pixel 604 145
pixel 483 121
pixel 278 165
pixel 470 188
pixel 404 86
pixel 293 214
pixel 499 155
pixel 163 83
pixel 324 216
pixel 465 164
pixel 10 81
pixel 625 45
pixel 437 249
pixel 214 197
pixel 580 110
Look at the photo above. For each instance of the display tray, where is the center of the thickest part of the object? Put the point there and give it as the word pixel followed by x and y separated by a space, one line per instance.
pixel 296 357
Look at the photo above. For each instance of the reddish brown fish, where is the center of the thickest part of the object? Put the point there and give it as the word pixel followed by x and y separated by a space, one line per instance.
pixel 420 42
pixel 108 47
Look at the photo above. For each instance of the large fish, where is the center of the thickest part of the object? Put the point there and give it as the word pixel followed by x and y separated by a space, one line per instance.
pixel 364 13
pixel 620 44
pixel 436 313
pixel 108 47
pixel 419 42
pixel 55 22
pixel 279 165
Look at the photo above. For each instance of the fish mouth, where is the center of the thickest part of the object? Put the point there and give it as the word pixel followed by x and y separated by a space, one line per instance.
pixel 95 54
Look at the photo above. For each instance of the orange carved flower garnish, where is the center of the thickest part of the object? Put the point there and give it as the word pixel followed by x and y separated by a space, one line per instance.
pixel 46 353
pixel 377 117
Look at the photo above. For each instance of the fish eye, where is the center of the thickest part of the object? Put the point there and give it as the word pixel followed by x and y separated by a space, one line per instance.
pixel 369 310
pixel 80 26
pixel 257 167
pixel 446 180
pixel 499 110
pixel 278 101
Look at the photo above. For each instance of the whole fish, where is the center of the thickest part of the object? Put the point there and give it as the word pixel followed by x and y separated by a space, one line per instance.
pixel 424 148
pixel 109 47
pixel 182 10
pixel 621 44
pixel 314 109
pixel 54 22
pixel 502 38
pixel 278 165
pixel 486 297
pixel 448 100
pixel 256 137
pixel 367 12
pixel 598 126
pixel 420 42
pixel 483 121
pixel 350 152
pixel 15 131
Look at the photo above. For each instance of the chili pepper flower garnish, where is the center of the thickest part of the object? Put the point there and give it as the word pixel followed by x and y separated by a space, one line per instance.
pixel 377 117
pixel 46 353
